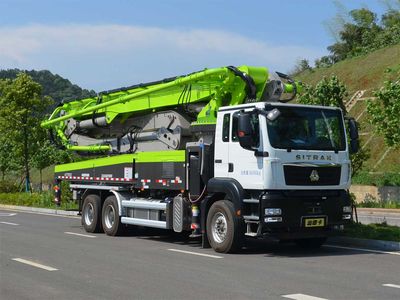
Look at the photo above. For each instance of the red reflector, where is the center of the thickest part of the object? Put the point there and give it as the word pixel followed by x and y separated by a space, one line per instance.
pixel 241 134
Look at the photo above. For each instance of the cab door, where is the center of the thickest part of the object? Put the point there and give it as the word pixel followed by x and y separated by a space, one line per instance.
pixel 243 164
pixel 222 138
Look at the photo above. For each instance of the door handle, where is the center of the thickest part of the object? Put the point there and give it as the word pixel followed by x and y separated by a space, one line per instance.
pixel 230 167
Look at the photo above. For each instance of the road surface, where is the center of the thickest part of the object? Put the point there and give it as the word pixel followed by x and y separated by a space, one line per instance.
pixel 52 257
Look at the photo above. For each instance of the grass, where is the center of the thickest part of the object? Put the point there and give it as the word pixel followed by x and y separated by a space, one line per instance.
pixel 377 179
pixel 391 204
pixel 367 72
pixel 43 200
pixel 382 232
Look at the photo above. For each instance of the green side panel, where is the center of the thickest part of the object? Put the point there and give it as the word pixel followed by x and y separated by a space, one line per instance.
pixel 140 157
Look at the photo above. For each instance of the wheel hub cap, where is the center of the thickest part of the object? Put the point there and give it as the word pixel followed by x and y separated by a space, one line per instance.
pixel 89 214
pixel 219 228
pixel 109 216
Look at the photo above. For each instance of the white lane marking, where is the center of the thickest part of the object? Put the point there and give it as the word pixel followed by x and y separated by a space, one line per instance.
pixel 195 253
pixel 392 285
pixel 44 214
pixel 302 297
pixel 7 214
pixel 9 223
pixel 34 264
pixel 365 250
pixel 80 234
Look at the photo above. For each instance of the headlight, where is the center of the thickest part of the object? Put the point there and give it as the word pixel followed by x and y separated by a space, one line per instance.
pixel 347 209
pixel 273 219
pixel 273 211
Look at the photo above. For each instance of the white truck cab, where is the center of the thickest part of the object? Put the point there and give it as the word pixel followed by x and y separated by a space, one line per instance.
pixel 292 161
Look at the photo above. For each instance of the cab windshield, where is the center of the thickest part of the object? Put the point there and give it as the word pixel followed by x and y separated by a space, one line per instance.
pixel 307 128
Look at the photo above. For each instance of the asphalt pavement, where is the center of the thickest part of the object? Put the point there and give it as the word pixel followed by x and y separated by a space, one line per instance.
pixel 52 257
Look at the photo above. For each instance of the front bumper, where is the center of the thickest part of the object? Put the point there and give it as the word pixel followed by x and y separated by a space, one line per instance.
pixel 304 214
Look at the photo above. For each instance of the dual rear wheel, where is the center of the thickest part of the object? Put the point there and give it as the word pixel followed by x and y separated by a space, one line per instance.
pixel 97 218
pixel 224 228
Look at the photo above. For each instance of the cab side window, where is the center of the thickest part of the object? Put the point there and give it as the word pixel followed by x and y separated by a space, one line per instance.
pixel 234 129
pixel 225 127
pixel 255 124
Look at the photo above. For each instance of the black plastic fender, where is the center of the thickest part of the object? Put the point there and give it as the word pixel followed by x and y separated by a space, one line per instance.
pixel 229 186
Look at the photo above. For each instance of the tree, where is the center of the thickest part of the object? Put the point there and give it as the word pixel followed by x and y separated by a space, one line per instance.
pixel 391 18
pixel 357 35
pixel 304 65
pixel 359 31
pixel 324 62
pixel 384 112
pixel 7 159
pixel 47 154
pixel 358 159
pixel 301 65
pixel 53 85
pixel 327 92
pixel 21 111
pixel 44 157
pixel 332 92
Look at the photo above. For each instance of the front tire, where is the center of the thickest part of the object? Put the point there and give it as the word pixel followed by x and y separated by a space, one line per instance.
pixel 91 214
pixel 111 220
pixel 224 228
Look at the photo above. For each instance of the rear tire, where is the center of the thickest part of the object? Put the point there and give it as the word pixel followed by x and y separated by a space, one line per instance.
pixel 111 220
pixel 224 228
pixel 313 243
pixel 91 214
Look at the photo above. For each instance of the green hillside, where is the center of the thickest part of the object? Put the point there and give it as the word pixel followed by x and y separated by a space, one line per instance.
pixel 361 73
pixel 55 86
pixel 366 73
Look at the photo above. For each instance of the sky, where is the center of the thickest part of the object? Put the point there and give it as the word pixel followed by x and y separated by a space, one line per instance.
pixel 101 45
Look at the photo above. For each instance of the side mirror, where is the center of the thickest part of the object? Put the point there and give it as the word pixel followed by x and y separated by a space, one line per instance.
pixel 354 146
pixel 245 131
pixel 353 129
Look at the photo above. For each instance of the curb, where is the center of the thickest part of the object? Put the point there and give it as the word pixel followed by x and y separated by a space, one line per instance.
pixel 373 211
pixel 365 243
pixel 40 210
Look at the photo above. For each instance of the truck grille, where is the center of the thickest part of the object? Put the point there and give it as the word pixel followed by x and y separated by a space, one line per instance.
pixel 313 176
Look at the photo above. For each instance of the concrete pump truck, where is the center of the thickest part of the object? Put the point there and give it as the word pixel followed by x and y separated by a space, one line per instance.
pixel 218 154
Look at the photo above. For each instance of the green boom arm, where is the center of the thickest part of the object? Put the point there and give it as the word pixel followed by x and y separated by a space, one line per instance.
pixel 212 87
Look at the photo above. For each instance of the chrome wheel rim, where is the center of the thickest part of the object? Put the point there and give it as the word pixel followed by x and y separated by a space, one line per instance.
pixel 219 227
pixel 89 214
pixel 109 216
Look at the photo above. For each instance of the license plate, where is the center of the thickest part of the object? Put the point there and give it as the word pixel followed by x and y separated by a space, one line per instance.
pixel 314 222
